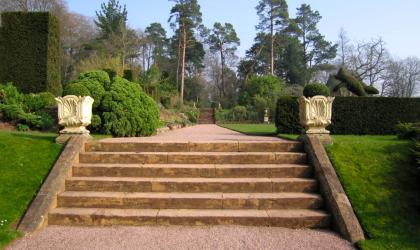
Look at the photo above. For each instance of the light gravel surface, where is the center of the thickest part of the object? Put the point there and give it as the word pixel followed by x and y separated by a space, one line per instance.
pixel 176 237
pixel 207 132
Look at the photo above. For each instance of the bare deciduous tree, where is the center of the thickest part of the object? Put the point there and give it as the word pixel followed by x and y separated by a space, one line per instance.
pixel 402 78
pixel 368 60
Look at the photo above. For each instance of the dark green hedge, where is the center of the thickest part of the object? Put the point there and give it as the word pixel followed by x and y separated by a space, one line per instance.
pixel 354 115
pixel 30 55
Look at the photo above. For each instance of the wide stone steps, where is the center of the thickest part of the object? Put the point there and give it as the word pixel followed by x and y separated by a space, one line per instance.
pixel 290 218
pixel 193 170
pixel 192 185
pixel 144 200
pixel 194 146
pixel 258 183
pixel 193 157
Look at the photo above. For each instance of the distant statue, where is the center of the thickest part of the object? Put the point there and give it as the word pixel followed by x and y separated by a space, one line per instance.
pixel 266 117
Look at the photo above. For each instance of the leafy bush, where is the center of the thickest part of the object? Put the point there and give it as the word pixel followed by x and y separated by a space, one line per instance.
pixel 192 114
pixel 98 75
pixel 77 89
pixel 34 102
pixel 30 51
pixel 236 114
pixel 26 109
pixel 411 131
pixel 261 92
pixel 96 123
pixel 9 94
pixel 128 111
pixel 354 115
pixel 312 90
pixel 408 130
pixel 22 127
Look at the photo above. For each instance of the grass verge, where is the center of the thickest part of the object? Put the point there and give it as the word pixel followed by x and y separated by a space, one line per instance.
pixel 382 183
pixel 25 160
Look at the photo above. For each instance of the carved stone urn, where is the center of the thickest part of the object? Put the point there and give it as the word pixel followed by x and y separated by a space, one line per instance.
pixel 315 114
pixel 74 114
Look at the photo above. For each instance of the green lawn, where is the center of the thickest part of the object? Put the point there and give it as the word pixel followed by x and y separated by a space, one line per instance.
pixel 252 129
pixel 25 160
pixel 382 183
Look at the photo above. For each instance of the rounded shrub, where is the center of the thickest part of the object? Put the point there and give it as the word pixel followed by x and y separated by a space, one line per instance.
pixel 239 113
pixel 76 89
pixel 9 94
pixel 312 90
pixel 128 111
pixel 98 75
pixel 96 123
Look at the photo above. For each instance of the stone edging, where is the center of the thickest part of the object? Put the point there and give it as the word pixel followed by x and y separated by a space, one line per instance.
pixel 338 204
pixel 36 216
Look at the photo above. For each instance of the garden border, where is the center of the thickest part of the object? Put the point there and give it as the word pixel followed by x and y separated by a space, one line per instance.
pixel 36 216
pixel 345 220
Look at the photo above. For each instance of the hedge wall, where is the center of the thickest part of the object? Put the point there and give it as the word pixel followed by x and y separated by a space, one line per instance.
pixel 354 115
pixel 30 55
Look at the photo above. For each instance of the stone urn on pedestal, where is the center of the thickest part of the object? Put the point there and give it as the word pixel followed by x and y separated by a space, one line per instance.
pixel 315 115
pixel 74 114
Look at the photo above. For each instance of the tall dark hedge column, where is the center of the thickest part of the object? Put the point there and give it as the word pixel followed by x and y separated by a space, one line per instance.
pixel 30 55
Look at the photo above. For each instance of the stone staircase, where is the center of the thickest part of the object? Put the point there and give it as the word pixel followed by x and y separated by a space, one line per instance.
pixel 191 183
pixel 206 116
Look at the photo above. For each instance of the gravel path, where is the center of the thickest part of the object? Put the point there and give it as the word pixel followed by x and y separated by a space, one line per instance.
pixel 175 237
pixel 198 133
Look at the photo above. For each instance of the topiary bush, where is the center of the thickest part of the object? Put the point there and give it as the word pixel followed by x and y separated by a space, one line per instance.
pixel 315 89
pixel 77 89
pixel 287 116
pixel 350 82
pixel 30 51
pixel 128 111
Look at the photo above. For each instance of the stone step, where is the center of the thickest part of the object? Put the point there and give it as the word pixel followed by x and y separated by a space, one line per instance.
pixel 192 185
pixel 139 217
pixel 193 158
pixel 189 200
pixel 193 170
pixel 194 147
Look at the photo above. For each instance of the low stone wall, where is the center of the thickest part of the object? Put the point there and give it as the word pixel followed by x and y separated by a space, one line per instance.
pixel 345 220
pixel 36 215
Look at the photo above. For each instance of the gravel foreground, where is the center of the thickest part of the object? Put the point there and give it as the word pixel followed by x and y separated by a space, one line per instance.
pixel 180 237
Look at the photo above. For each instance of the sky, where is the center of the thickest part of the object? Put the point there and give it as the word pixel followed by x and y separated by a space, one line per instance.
pixel 396 21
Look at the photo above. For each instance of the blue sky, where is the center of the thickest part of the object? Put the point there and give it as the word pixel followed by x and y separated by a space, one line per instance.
pixel 396 21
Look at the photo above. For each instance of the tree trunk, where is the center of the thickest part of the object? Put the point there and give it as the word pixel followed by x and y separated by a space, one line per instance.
pixel 222 59
pixel 184 47
pixel 272 40
pixel 179 58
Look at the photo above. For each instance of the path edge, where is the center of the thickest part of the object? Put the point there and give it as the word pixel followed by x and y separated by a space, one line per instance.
pixel 344 218
pixel 36 216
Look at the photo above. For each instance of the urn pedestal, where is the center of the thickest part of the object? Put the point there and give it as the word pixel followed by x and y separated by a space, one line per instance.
pixel 315 115
pixel 74 114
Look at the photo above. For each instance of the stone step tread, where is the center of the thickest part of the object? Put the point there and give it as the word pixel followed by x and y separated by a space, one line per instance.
pixel 124 195
pixel 191 180
pixel 191 213
pixel 192 166
pixel 196 153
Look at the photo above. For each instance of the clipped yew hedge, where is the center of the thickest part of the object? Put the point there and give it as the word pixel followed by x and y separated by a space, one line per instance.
pixel 30 55
pixel 354 115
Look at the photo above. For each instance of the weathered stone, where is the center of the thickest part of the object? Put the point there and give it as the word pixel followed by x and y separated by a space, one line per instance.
pixel 315 114
pixel 342 212
pixel 74 113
